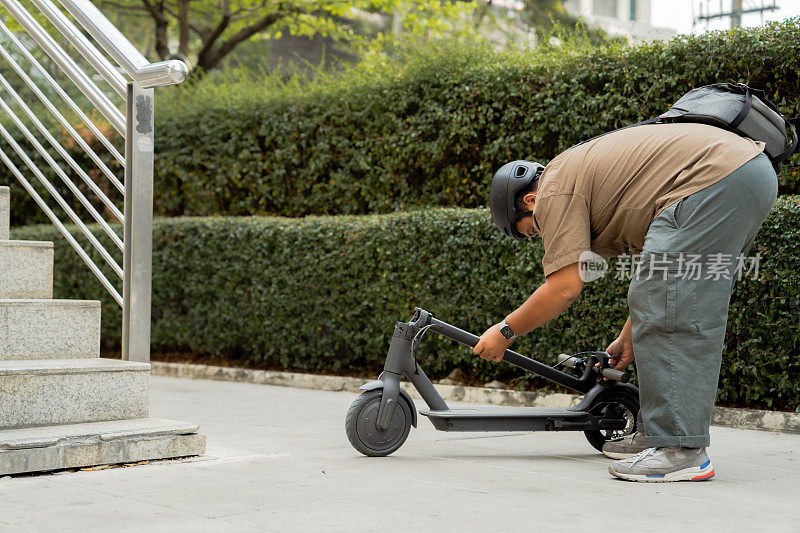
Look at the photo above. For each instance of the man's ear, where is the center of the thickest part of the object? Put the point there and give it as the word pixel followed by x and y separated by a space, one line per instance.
pixel 529 198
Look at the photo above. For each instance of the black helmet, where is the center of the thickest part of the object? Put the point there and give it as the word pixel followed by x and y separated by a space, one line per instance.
pixel 506 183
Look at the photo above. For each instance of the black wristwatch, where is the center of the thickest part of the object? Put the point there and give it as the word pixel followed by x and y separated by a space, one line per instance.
pixel 505 329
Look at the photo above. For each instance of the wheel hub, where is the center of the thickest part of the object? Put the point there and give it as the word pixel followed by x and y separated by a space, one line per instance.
pixel 617 410
pixel 376 438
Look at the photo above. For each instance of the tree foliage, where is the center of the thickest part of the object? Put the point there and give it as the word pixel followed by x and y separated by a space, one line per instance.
pixel 205 32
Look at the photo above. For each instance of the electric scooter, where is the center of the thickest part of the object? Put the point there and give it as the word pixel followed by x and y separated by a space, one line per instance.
pixel 380 419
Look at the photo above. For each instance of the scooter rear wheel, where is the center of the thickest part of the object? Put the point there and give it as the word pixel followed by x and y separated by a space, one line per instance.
pixel 621 403
pixel 365 436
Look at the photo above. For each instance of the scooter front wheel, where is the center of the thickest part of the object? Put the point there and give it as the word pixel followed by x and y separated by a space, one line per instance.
pixel 365 436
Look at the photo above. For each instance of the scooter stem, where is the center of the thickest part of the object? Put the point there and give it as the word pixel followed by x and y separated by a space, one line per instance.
pixel 511 357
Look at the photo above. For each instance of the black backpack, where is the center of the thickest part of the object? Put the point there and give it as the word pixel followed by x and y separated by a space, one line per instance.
pixel 737 108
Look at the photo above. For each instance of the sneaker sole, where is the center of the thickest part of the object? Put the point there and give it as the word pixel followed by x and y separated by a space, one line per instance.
pixel 696 473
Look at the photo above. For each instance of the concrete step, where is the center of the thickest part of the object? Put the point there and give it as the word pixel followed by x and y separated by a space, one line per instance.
pixel 49 329
pixel 69 391
pixel 5 212
pixel 48 448
pixel 26 269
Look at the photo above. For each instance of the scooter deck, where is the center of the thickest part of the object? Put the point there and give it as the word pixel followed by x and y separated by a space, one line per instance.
pixel 510 419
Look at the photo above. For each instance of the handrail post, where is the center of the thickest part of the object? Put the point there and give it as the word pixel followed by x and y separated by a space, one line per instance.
pixel 138 253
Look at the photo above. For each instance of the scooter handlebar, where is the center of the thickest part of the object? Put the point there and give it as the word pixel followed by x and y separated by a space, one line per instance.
pixel 616 375
pixel 566 360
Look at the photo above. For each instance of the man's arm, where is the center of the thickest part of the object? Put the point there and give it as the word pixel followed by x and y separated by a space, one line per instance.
pixel 627 331
pixel 559 290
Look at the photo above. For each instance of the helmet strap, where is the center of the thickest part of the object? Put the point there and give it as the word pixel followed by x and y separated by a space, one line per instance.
pixel 523 214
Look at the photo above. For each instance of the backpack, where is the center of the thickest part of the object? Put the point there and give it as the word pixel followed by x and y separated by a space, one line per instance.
pixel 737 108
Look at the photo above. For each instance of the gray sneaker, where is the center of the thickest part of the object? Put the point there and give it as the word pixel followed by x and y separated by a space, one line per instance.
pixel 625 447
pixel 665 464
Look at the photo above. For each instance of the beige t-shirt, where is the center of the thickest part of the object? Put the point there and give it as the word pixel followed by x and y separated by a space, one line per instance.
pixel 602 195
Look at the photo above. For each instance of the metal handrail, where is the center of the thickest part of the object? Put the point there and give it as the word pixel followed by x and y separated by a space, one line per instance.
pixel 50 161
pixel 59 199
pixel 58 224
pixel 147 74
pixel 135 125
pixel 60 149
pixel 82 44
pixel 69 101
pixel 67 65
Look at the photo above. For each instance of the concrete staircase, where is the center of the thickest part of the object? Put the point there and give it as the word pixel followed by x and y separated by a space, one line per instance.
pixel 61 405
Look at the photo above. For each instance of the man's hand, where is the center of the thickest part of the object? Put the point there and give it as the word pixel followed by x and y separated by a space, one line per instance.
pixel 624 348
pixel 492 345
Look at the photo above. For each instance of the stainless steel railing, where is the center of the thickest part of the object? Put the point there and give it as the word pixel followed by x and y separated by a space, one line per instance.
pixel 132 77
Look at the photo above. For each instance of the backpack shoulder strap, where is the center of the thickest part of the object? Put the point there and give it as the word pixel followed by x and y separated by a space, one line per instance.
pixel 648 121
pixel 791 123
pixel 748 103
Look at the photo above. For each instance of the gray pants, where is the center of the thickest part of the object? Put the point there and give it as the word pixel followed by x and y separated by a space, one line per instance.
pixel 679 315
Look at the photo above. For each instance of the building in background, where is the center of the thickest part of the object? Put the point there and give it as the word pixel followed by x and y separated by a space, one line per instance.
pixel 705 11
pixel 625 18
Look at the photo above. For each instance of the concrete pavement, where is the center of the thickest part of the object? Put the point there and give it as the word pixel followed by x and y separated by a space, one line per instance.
pixel 278 460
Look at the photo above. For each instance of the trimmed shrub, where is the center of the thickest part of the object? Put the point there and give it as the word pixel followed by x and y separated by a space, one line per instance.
pixel 323 294
pixel 433 133
pixel 430 128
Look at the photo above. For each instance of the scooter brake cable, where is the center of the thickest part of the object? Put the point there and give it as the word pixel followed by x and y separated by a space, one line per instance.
pixel 418 338
pixel 558 364
pixel 575 356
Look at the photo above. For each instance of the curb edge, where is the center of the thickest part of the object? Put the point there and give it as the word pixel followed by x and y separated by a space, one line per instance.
pixel 778 421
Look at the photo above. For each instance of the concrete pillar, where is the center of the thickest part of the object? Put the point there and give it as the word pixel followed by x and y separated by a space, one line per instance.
pixel 582 8
pixel 736 14
pixel 643 12
pixel 623 9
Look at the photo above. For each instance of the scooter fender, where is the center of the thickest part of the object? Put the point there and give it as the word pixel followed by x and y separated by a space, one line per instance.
pixel 597 390
pixel 379 384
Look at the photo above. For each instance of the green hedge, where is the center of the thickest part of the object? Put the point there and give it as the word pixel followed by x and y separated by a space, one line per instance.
pixel 323 294
pixel 430 128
